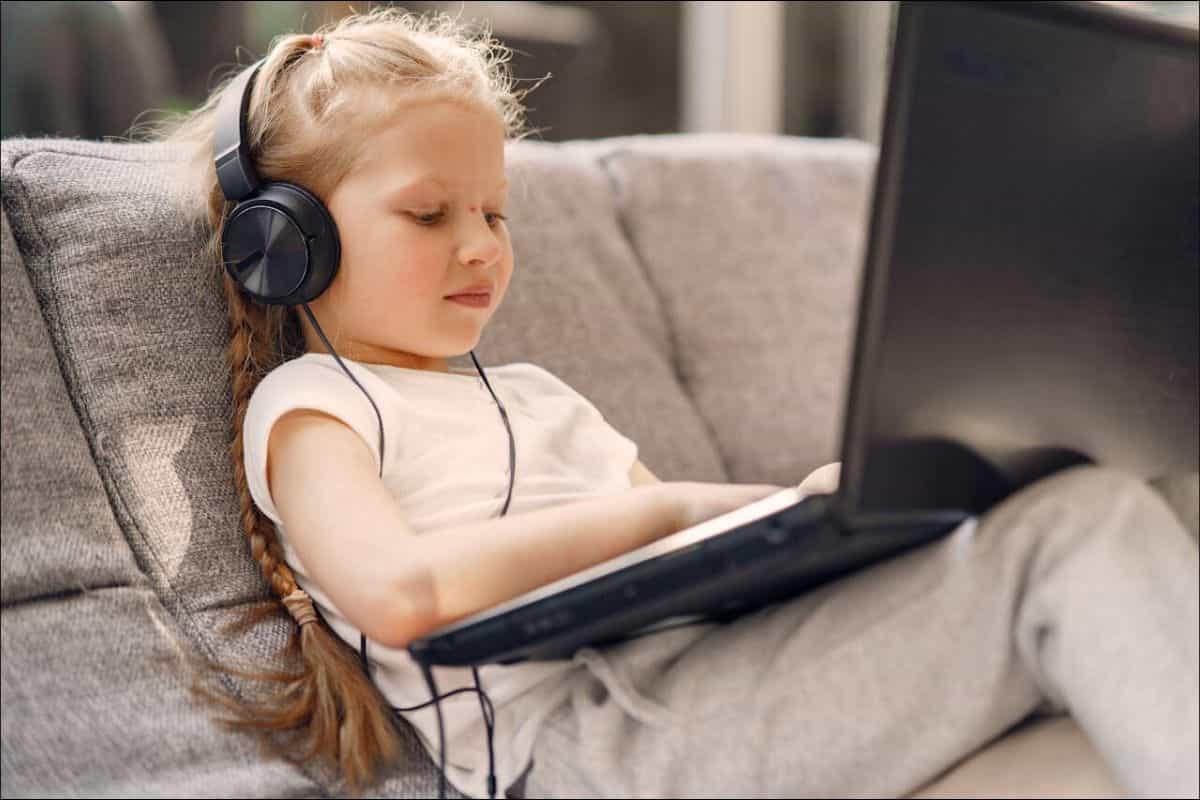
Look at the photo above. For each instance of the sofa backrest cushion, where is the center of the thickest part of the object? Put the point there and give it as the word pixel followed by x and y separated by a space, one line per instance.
pixel 135 320
pixel 754 247
pixel 59 531
pixel 95 685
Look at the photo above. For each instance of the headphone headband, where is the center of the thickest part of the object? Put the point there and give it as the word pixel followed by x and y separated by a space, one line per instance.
pixel 235 168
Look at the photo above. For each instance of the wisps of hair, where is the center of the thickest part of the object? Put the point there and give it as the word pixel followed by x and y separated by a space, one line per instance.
pixel 305 109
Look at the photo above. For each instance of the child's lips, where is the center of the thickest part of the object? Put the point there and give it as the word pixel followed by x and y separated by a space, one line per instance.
pixel 475 300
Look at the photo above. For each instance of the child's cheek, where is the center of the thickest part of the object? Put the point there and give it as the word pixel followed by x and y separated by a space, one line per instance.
pixel 418 272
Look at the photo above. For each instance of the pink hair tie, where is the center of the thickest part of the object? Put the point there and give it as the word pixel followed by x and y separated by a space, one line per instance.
pixel 318 39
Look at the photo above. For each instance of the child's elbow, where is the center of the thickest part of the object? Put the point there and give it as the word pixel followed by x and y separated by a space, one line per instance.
pixel 406 613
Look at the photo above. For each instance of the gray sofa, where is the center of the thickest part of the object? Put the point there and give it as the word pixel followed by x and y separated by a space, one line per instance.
pixel 700 289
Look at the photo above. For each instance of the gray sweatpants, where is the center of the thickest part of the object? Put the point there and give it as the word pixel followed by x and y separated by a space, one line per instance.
pixel 1078 593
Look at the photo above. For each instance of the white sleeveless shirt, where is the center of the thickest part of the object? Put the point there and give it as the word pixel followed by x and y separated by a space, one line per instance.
pixel 445 461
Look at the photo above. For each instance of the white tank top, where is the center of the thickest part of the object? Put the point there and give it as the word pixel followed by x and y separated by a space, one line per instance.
pixel 446 463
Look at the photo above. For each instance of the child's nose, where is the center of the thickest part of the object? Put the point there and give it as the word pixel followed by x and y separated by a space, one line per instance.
pixel 480 246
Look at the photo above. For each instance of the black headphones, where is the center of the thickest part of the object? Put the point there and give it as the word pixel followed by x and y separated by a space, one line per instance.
pixel 280 243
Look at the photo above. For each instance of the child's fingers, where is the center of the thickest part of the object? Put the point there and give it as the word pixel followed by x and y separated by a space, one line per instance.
pixel 823 480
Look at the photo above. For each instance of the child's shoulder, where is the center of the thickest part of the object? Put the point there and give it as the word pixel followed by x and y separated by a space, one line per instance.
pixel 313 372
pixel 537 381
pixel 312 367
pixel 535 376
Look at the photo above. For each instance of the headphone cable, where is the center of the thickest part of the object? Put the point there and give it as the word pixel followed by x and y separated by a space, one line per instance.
pixel 485 702
pixel 487 709
pixel 427 671
pixel 337 358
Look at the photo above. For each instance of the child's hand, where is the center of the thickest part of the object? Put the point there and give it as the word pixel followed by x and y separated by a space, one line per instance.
pixel 823 480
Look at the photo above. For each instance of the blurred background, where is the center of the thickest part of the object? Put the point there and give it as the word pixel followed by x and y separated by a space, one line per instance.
pixel 89 69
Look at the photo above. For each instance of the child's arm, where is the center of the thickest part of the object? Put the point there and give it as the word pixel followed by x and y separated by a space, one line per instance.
pixel 396 586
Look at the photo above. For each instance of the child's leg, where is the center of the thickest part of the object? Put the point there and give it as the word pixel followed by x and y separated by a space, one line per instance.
pixel 1081 589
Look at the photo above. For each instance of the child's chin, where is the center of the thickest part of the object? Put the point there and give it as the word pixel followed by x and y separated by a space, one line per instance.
pixel 460 346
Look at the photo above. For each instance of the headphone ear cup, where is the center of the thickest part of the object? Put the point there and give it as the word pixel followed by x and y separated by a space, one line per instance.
pixel 281 245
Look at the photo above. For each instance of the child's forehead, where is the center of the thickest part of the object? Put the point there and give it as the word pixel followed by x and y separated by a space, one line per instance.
pixel 447 154
pixel 395 178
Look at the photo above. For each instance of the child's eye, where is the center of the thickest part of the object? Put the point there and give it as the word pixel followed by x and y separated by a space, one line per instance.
pixel 432 218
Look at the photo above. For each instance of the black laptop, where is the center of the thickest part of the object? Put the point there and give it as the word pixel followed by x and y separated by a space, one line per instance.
pixel 1029 302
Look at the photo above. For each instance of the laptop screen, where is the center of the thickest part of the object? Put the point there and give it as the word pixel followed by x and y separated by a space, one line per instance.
pixel 1030 290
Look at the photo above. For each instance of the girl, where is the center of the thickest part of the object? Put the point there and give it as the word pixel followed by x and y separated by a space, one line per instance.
pixel 388 517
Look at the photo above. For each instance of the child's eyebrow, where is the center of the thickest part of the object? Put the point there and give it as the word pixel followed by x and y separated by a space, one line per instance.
pixel 428 180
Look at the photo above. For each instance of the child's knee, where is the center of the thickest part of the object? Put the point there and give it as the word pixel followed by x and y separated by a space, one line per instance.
pixel 1082 501
pixel 1093 484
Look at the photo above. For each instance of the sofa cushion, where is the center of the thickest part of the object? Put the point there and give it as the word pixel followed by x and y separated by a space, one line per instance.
pixel 135 322
pixel 78 611
pixel 96 704
pixel 1044 756
pixel 753 244
pixel 141 358
pixel 59 532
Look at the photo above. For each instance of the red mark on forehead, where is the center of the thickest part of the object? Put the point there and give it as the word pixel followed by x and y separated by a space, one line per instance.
pixel 472 209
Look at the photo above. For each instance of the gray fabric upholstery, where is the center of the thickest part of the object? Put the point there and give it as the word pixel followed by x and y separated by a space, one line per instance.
pixel 96 704
pixel 94 692
pixel 142 362
pixel 120 546
pixel 754 254
pixel 59 532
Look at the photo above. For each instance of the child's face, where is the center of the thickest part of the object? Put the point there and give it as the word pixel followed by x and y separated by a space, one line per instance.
pixel 418 220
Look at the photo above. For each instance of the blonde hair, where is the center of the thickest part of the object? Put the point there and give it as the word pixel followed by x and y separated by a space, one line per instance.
pixel 311 93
